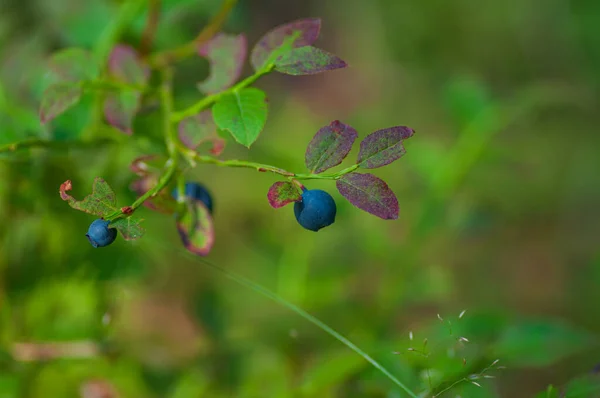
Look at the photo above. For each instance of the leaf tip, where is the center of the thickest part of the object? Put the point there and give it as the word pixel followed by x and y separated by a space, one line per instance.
pixel 64 188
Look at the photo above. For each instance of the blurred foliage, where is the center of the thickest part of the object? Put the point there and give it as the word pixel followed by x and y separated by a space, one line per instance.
pixel 499 214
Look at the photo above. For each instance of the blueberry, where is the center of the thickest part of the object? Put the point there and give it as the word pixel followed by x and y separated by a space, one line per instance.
pixel 197 191
pixel 316 210
pixel 100 235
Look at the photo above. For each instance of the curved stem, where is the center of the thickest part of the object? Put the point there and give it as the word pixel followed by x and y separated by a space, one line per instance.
pixel 162 59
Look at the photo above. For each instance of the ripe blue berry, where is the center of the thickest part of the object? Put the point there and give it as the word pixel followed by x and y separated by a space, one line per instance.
pixel 100 235
pixel 197 191
pixel 316 210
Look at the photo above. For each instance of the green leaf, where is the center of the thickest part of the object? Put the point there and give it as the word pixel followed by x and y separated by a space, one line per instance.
pixel 307 61
pixel 540 342
pixel 383 147
pixel 129 227
pixel 195 227
pixel 58 98
pixel 101 202
pixel 73 65
pixel 243 113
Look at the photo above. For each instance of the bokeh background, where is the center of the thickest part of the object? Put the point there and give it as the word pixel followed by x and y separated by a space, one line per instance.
pixel 499 195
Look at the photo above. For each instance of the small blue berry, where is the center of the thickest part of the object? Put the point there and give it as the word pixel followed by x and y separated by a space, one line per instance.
pixel 316 210
pixel 197 191
pixel 100 235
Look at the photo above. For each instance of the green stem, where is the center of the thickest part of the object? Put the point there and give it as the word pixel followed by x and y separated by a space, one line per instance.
pixel 41 143
pixel 211 99
pixel 315 321
pixel 191 154
pixel 162 59
pixel 166 101
pixel 104 85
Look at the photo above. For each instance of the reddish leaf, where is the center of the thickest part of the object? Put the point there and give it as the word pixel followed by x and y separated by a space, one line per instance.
pixel 124 65
pixel 308 31
pixel 74 65
pixel 101 202
pixel 283 192
pixel 370 194
pixel 129 227
pixel 307 61
pixel 383 147
pixel 147 164
pixel 329 146
pixel 58 98
pixel 226 54
pixel 200 129
pixel 120 110
pixel 196 228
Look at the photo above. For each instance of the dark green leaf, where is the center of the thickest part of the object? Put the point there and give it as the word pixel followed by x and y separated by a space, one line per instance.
pixel 243 113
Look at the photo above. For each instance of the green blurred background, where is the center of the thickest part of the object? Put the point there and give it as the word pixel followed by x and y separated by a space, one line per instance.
pixel 499 196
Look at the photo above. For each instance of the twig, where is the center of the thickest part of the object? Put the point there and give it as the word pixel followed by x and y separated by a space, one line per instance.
pixel 31 352
pixel 161 59
pixel 151 27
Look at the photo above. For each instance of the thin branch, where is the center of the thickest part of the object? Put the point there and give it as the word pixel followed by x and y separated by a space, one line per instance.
pixel 49 144
pixel 161 59
pixel 151 26
pixel 30 352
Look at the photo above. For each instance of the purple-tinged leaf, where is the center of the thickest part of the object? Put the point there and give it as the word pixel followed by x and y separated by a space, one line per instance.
pixel 226 54
pixel 101 202
pixel 307 60
pixel 125 65
pixel 163 202
pixel 306 31
pixel 370 194
pixel 382 147
pixel 120 109
pixel 147 164
pixel 243 113
pixel 57 99
pixel 74 65
pixel 129 227
pixel 283 192
pixel 199 129
pixel 329 146
pixel 195 227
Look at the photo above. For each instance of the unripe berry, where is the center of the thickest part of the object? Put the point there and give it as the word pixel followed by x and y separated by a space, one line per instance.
pixel 197 191
pixel 316 210
pixel 99 234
